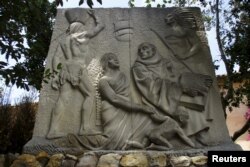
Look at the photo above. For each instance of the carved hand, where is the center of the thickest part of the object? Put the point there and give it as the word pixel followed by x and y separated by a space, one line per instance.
pixel 55 83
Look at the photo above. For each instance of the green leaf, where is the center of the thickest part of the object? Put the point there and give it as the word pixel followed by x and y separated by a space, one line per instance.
pixel 45 81
pixel 90 3
pixel 59 2
pixel 3 63
pixel 59 66
pixel 81 2
pixel 47 71
pixel 100 1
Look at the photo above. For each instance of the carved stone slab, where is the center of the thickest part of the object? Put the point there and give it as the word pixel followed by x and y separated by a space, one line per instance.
pixel 124 79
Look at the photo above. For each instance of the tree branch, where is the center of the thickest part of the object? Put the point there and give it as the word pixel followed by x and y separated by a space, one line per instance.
pixel 223 57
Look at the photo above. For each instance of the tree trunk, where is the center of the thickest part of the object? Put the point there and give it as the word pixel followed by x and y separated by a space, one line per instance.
pixel 229 94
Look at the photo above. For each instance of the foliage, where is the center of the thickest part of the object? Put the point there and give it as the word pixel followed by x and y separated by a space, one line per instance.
pixel 16 124
pixel 233 32
pixel 238 41
pixel 6 124
pixel 25 33
pixel 89 2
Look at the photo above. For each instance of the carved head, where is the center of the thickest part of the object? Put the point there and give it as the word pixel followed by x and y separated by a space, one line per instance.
pixel 146 50
pixel 109 60
pixel 76 27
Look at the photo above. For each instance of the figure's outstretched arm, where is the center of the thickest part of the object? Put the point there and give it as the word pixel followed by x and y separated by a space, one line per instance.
pixel 108 94
pixel 99 25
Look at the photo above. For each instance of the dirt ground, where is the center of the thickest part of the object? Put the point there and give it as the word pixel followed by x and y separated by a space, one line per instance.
pixel 235 120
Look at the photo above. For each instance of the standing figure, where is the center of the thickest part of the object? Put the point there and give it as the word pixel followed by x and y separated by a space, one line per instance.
pixel 74 75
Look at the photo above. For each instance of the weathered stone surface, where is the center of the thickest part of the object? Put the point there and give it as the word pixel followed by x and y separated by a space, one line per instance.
pixel 199 160
pixel 69 161
pixel 26 160
pixel 43 158
pixel 88 160
pixel 134 160
pixel 72 157
pixel 181 161
pixel 109 160
pixel 117 60
pixel 55 160
pixel 157 159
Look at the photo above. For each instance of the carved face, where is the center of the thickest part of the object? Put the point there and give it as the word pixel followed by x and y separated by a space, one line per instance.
pixel 169 19
pixel 76 27
pixel 146 51
pixel 113 62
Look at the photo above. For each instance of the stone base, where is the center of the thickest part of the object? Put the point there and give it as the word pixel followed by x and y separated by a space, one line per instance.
pixel 146 158
pixel 137 158
pixel 32 147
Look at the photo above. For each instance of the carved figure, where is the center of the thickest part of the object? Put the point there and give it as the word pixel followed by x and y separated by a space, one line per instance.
pixel 74 75
pixel 157 138
pixel 117 111
pixel 182 40
pixel 186 46
pixel 162 88
pixel 116 106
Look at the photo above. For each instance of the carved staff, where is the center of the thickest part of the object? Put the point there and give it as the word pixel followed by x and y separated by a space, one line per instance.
pixel 171 50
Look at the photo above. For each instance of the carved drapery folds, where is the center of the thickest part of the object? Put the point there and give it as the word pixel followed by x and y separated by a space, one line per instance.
pixel 132 81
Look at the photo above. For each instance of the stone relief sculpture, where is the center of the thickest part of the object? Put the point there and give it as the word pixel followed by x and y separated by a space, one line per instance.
pixel 117 110
pixel 180 33
pixel 75 74
pixel 123 29
pixel 128 86
pixel 151 71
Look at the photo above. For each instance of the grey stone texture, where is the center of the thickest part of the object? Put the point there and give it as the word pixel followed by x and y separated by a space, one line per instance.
pixel 88 160
pixel 109 160
pixel 139 78
pixel 134 160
